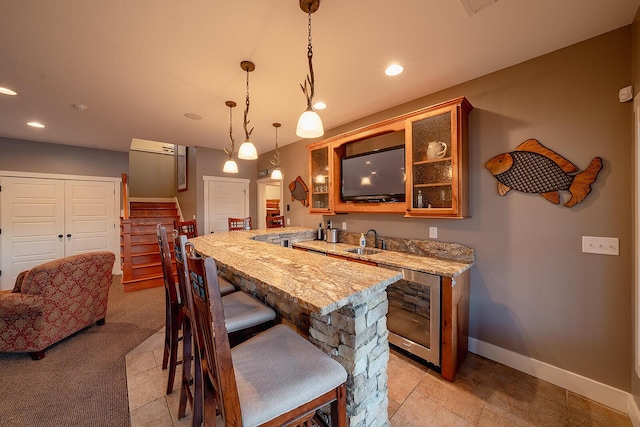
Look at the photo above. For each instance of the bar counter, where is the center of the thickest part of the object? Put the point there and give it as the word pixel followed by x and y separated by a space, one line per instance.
pixel 339 305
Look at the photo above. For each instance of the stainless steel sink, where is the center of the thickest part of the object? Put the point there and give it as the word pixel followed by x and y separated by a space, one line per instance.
pixel 364 251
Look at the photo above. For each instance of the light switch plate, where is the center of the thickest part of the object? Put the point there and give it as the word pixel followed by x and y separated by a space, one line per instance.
pixel 344 225
pixel 601 245
pixel 433 232
pixel 288 221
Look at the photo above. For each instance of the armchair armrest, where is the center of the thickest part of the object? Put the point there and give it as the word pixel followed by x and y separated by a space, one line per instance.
pixel 14 305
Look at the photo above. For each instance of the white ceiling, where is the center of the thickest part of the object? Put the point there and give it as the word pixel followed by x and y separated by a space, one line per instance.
pixel 141 65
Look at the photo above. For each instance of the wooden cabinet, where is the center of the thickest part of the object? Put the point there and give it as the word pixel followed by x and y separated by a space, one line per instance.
pixel 320 177
pixel 436 163
pixel 437 156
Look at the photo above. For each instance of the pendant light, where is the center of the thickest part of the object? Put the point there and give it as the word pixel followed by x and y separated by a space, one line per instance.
pixel 276 173
pixel 247 150
pixel 230 165
pixel 309 123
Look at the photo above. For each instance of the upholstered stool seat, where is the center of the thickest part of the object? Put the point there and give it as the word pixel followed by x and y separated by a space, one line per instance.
pixel 242 311
pixel 226 287
pixel 278 370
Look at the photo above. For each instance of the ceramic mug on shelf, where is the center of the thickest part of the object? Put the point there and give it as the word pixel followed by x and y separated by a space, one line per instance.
pixel 436 150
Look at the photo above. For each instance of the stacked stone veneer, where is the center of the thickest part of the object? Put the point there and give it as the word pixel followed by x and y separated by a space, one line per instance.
pixel 355 335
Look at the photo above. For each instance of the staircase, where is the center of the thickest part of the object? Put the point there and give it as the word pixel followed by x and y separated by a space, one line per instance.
pixel 141 263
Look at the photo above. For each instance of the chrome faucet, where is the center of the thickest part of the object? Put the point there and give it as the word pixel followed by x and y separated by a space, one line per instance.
pixel 375 237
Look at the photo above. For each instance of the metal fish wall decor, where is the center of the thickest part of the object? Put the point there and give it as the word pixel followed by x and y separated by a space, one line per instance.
pixel 299 191
pixel 533 168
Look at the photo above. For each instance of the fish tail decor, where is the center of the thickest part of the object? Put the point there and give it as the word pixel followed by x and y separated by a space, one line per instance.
pixel 533 168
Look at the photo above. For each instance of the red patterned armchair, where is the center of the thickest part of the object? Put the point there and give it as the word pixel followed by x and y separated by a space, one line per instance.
pixel 54 300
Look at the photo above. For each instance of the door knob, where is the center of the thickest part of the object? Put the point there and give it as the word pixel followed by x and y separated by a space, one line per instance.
pixel 60 236
pixel 68 235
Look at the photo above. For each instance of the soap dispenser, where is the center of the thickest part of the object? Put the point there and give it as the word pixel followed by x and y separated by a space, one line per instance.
pixel 363 240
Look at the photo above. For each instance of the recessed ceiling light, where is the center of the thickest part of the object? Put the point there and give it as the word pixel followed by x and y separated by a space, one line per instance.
pixel 319 105
pixel 35 124
pixel 394 70
pixel 7 91
pixel 193 116
pixel 80 107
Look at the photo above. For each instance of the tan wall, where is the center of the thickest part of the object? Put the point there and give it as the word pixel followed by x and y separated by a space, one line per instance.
pixel 532 289
pixel 40 157
pixel 151 174
pixel 635 70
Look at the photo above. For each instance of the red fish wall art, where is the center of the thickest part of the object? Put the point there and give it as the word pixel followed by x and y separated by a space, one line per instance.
pixel 533 168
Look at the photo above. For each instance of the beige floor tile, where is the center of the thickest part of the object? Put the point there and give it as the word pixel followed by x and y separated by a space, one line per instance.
pixel 139 362
pixel 527 409
pixel 587 413
pixel 420 411
pixel 155 413
pixel 146 387
pixel 484 394
pixel 462 397
pixel 403 377
pixel 488 418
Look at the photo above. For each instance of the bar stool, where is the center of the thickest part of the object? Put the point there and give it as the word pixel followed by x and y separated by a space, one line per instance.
pixel 247 316
pixel 190 229
pixel 275 221
pixel 236 224
pixel 173 309
pixel 275 378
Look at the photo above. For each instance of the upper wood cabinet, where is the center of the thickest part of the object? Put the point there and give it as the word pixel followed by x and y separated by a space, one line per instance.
pixel 320 178
pixel 436 163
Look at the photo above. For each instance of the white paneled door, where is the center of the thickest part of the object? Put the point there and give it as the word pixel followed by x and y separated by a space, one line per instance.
pixel 224 198
pixel 45 219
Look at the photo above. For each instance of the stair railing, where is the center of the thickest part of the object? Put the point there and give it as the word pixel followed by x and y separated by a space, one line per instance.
pixel 125 196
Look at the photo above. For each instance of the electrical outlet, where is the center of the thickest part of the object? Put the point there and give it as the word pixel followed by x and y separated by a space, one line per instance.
pixel 433 232
pixel 601 245
pixel 344 225
pixel 288 221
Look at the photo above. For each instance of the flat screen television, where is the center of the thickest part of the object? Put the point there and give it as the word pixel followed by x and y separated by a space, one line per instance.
pixel 376 176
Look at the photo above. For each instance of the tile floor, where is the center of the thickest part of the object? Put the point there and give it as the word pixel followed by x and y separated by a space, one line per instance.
pixel 484 394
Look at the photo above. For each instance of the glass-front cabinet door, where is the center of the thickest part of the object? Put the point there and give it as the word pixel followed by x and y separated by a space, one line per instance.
pixel 320 179
pixel 436 162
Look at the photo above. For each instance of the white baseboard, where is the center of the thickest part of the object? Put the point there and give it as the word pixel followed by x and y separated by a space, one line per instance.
pixel 591 389
pixel 634 412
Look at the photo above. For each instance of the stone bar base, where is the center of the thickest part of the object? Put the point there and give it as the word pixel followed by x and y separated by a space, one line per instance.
pixel 357 337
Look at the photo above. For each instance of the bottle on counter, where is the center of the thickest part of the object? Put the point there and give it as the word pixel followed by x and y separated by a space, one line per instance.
pixel 363 240
pixel 320 233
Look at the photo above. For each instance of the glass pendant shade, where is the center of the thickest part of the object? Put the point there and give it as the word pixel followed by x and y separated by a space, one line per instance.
pixel 247 151
pixel 230 166
pixel 309 125
pixel 276 174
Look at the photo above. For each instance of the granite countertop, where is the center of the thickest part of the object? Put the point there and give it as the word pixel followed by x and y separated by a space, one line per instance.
pixel 317 283
pixel 425 264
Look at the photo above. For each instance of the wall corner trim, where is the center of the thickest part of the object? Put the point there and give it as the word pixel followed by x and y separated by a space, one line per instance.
pixel 602 393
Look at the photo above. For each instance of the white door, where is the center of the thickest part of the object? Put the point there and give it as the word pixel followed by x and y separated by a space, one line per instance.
pixel 46 219
pixel 89 221
pixel 32 223
pixel 224 198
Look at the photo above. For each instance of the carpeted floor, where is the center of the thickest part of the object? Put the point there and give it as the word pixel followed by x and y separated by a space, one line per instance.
pixel 82 379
